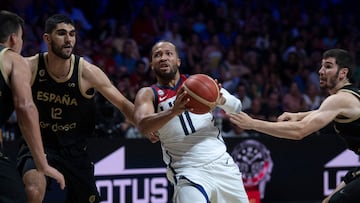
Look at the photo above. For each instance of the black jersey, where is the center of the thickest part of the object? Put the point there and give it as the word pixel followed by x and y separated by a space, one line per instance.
pixel 66 114
pixel 6 100
pixel 348 128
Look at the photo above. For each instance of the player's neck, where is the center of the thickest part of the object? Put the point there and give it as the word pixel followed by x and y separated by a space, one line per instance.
pixel 171 83
pixel 339 86
pixel 56 66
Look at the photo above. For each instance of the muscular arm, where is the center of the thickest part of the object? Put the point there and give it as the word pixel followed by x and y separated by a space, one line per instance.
pixel 312 122
pixel 146 119
pixel 94 77
pixel 27 115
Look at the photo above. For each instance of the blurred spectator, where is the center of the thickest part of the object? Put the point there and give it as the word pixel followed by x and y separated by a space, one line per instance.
pixel 199 26
pixel 293 100
pixel 105 60
pixel 128 57
pixel 329 40
pixel 231 71
pixel 194 52
pixel 227 35
pixel 312 97
pixel 272 106
pixel 76 14
pixel 121 34
pixel 145 30
pixel 256 110
pixel 173 35
pixel 297 48
pixel 140 74
pixel 242 94
pixel 212 55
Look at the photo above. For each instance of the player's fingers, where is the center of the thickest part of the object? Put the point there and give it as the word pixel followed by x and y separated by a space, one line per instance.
pixel 53 173
pixel 61 182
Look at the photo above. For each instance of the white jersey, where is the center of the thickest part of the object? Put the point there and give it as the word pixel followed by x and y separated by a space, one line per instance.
pixel 193 149
pixel 190 140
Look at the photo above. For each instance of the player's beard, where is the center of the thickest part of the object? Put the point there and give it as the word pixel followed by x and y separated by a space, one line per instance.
pixel 58 51
pixel 166 76
pixel 332 82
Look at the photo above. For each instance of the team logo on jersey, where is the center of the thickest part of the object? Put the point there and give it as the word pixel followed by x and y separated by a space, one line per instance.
pixel 42 72
pixel 161 93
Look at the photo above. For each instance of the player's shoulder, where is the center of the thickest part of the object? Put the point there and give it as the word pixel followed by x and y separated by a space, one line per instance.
pixel 88 68
pixel 342 99
pixel 144 94
pixel 145 90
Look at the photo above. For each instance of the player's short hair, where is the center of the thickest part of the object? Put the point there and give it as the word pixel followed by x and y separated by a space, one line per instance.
pixel 342 58
pixel 9 23
pixel 54 20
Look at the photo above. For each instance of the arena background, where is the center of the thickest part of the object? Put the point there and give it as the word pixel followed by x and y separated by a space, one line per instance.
pixel 127 169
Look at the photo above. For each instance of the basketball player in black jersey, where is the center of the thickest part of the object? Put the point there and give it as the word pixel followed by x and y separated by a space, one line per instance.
pixel 15 93
pixel 342 107
pixel 63 88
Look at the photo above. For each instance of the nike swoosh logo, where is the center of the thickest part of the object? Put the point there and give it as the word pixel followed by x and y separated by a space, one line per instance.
pixel 162 98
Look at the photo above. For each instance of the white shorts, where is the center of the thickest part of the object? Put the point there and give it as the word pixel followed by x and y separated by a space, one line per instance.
pixel 217 182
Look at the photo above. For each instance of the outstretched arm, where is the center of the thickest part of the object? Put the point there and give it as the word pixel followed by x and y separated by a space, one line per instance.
pixel 27 116
pixel 312 122
pixel 94 77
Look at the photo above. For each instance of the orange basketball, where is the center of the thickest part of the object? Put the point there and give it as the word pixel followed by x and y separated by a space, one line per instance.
pixel 203 92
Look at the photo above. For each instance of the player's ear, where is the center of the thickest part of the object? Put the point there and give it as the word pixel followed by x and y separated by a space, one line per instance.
pixel 178 63
pixel 46 37
pixel 344 72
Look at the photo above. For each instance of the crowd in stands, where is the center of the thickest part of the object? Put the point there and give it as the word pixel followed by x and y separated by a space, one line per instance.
pixel 266 52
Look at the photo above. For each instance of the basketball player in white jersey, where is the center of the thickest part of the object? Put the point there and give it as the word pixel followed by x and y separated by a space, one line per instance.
pixel 193 149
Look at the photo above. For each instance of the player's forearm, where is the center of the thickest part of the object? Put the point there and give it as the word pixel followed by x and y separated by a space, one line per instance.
pixel 288 130
pixel 128 111
pixel 153 122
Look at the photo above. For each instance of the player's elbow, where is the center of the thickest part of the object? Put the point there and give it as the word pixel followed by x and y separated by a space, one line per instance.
pixel 300 133
pixel 142 127
pixel 24 108
pixel 298 136
pixel 143 130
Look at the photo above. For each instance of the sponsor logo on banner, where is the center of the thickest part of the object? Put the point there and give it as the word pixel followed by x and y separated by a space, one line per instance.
pixel 118 184
pixel 337 168
pixel 255 163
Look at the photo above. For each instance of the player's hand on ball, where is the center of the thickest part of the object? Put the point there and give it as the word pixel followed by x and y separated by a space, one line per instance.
pixel 180 101
pixel 221 100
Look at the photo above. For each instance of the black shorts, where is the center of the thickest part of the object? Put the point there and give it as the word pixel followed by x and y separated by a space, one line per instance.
pixel 74 163
pixel 351 192
pixel 11 185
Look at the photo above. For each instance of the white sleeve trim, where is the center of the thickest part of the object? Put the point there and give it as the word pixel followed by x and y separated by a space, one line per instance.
pixel 232 104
